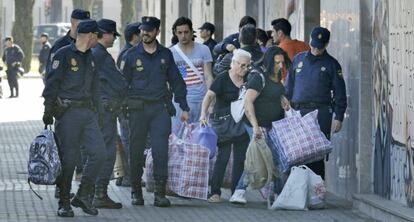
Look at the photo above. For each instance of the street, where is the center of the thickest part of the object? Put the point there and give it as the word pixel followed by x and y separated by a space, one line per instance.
pixel 20 121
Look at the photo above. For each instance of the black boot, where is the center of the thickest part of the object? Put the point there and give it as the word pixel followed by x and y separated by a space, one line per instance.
pixel 159 194
pixel 83 199
pixel 136 195
pixel 64 210
pixel 57 191
pixel 102 199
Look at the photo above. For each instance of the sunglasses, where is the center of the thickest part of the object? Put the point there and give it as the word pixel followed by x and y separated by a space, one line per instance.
pixel 245 66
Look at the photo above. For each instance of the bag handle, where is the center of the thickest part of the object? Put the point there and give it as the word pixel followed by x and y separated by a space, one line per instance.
pixel 188 61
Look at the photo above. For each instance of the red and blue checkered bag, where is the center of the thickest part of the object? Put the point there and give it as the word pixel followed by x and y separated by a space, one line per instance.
pixel 298 140
pixel 188 166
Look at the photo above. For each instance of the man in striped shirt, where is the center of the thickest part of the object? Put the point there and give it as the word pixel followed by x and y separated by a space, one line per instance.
pixel 194 61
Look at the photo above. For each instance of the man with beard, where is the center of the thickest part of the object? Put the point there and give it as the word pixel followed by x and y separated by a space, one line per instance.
pixel 148 67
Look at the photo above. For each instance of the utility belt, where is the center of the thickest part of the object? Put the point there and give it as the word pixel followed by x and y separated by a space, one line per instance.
pixel 69 103
pixel 310 105
pixel 137 104
pixel 112 105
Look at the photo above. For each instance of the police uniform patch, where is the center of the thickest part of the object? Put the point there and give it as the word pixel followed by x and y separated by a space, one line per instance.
pixel 55 64
pixel 300 65
pixel 74 65
pixel 139 67
pixel 323 68
pixel 340 72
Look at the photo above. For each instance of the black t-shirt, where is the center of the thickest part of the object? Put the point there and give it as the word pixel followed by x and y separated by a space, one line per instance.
pixel 226 92
pixel 267 104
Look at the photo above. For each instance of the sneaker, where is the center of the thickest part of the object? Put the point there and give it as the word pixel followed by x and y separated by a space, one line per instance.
pixel 238 197
pixel 215 198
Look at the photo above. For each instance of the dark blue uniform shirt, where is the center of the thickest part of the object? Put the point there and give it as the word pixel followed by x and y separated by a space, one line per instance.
pixel 147 75
pixel 44 53
pixel 317 79
pixel 12 54
pixel 72 76
pixel 231 39
pixel 112 82
pixel 62 41
pixel 122 53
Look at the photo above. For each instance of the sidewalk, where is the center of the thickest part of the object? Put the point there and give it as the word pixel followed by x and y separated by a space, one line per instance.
pixel 18 203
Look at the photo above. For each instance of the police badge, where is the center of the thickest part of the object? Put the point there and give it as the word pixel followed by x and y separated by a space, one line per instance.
pixel 74 65
pixel 139 67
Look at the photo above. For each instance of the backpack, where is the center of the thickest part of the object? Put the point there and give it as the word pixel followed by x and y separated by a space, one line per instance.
pixel 44 164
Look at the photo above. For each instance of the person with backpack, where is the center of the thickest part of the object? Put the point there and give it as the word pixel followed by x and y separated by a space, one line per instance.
pixel 264 104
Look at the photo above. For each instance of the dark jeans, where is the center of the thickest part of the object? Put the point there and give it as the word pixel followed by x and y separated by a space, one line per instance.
pixel 239 147
pixel 12 80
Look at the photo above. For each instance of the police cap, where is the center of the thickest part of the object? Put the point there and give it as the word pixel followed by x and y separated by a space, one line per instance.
pixel 108 26
pixel 88 26
pixel 208 26
pixel 320 36
pixel 80 14
pixel 132 28
pixel 44 34
pixel 149 23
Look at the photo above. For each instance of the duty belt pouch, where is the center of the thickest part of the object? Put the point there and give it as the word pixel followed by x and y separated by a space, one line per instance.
pixel 61 107
pixel 135 104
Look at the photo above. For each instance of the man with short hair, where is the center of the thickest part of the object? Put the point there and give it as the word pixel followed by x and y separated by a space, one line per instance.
pixel 44 52
pixel 132 37
pixel 315 82
pixel 247 38
pixel 194 62
pixel 76 16
pixel 70 97
pixel 112 92
pixel 206 33
pixel 281 36
pixel 13 56
pixel 148 67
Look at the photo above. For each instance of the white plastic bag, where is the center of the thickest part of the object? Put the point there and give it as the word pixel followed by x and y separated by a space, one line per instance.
pixel 295 192
pixel 316 190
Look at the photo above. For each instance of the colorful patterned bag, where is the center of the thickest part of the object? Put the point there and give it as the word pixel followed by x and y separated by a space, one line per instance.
pixel 298 140
pixel 188 166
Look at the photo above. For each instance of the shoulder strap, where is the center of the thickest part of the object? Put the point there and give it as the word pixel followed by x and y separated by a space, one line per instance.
pixel 188 61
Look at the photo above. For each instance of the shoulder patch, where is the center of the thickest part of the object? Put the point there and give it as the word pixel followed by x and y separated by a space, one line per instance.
pixel 339 72
pixel 55 64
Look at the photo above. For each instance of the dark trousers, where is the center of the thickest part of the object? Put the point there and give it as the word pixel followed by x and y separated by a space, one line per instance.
pixel 239 147
pixel 153 118
pixel 79 127
pixel 325 123
pixel 12 80
pixel 110 134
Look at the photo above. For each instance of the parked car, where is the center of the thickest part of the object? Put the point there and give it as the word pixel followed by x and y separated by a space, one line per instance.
pixel 54 30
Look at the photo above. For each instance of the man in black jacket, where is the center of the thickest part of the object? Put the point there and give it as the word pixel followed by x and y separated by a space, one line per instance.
pixel 13 56
pixel 44 52
pixel 247 38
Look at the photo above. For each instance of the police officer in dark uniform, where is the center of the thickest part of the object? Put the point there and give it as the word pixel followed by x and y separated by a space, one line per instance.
pixel 112 91
pixel 75 18
pixel 44 52
pixel 315 81
pixel 148 67
pixel 13 56
pixel 70 92
pixel 132 37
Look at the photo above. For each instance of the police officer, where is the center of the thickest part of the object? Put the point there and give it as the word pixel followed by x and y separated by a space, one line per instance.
pixel 132 37
pixel 69 97
pixel 148 67
pixel 112 91
pixel 13 56
pixel 44 52
pixel 76 16
pixel 315 81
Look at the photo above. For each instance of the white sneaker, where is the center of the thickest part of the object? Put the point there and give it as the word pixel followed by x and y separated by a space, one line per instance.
pixel 238 197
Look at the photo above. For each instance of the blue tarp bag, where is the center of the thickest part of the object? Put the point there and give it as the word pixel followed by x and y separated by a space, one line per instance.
pixel 205 136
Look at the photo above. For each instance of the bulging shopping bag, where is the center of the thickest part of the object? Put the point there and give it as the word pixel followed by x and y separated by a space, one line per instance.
pixel 205 136
pixel 316 190
pixel 295 192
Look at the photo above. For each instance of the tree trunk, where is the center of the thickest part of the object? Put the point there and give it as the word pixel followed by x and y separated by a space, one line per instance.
pixel 83 4
pixel 127 16
pixel 22 31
